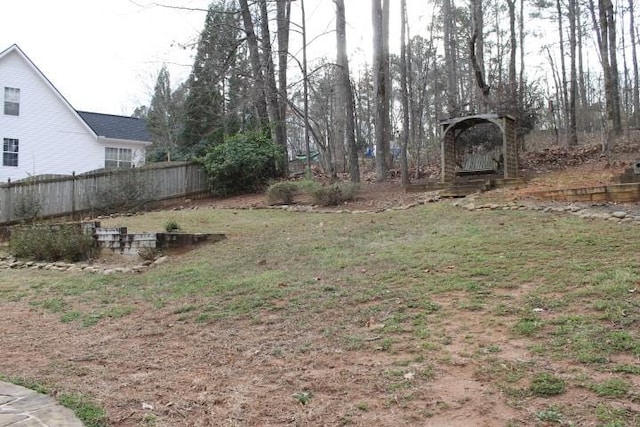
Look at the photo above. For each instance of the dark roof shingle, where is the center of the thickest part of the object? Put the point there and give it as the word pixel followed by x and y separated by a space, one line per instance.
pixel 117 127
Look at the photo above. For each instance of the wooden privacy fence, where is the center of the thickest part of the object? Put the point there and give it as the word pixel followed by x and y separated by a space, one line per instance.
pixel 99 191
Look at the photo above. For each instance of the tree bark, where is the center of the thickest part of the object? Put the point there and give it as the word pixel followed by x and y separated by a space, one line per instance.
pixel 572 140
pixel 404 167
pixel 256 68
pixel 347 92
pixel 283 14
pixel 380 70
pixel 634 57
pixel 563 70
pixel 613 61
pixel 278 130
pixel 476 52
pixel 452 92
pixel 582 85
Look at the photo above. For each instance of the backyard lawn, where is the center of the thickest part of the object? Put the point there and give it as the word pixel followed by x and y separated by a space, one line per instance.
pixel 433 316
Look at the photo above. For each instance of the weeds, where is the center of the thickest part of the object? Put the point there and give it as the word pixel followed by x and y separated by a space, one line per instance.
pixel 545 384
pixel 614 387
pixel 303 397
pixel 171 226
pixel 88 412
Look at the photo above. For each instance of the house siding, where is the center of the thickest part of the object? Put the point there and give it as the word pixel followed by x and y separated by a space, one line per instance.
pixel 53 139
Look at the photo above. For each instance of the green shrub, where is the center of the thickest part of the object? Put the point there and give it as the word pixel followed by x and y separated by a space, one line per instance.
pixel 334 194
pixel 282 193
pixel 52 243
pixel 171 225
pixel 243 163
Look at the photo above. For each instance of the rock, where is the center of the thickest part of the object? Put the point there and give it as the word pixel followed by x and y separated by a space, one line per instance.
pixel 161 260
pixel 619 214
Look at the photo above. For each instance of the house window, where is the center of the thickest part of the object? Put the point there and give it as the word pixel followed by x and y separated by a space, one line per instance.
pixel 10 152
pixel 117 158
pixel 11 101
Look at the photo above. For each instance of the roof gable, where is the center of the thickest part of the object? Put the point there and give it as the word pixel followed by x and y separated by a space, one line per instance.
pixel 117 127
pixel 15 49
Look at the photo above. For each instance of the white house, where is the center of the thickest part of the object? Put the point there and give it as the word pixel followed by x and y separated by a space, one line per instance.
pixel 42 133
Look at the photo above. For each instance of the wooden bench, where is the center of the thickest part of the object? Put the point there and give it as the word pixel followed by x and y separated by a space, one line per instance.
pixel 481 163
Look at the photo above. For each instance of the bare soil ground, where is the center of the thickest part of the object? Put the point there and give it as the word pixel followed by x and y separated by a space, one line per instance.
pixel 148 369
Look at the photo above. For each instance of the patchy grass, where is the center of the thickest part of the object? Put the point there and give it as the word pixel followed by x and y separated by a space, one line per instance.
pixel 410 295
pixel 84 408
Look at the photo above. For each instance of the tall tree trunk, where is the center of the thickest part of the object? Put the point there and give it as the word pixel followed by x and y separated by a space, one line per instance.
pixel 476 44
pixel 404 168
pixel 522 33
pixel 634 58
pixel 347 92
pixel 573 91
pixel 305 87
pixel 563 71
pixel 278 130
pixel 283 15
pixel 513 48
pixel 380 70
pixel 604 35
pixel 450 52
pixel 626 86
pixel 256 68
pixel 582 86
pixel 613 61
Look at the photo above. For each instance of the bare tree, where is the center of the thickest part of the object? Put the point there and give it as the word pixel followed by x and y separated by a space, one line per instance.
pixel 278 129
pixel 254 56
pixel 450 49
pixel 634 58
pixel 382 96
pixel 347 92
pixel 404 168
pixel 476 53
pixel 572 137
pixel 564 98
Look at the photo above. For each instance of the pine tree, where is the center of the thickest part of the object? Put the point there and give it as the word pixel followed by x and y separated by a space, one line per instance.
pixel 208 84
pixel 163 119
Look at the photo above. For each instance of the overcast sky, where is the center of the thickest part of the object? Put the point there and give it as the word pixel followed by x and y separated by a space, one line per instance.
pixel 103 56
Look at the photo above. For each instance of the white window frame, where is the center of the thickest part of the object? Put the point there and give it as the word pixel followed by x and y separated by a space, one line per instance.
pixel 11 101
pixel 10 148
pixel 118 158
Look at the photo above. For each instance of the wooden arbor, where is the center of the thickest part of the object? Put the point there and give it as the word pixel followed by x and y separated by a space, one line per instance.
pixel 452 128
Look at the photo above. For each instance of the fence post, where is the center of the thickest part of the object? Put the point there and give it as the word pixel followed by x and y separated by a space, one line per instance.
pixel 73 194
pixel 9 202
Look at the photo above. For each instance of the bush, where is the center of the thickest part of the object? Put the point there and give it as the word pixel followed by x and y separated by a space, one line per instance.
pixel 334 194
pixel 243 163
pixel 171 225
pixel 282 193
pixel 52 243
pixel 128 191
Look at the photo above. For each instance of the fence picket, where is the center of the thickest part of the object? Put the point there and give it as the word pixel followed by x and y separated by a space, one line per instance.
pixel 70 195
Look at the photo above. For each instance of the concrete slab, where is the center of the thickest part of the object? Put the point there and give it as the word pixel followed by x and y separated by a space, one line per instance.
pixel 21 407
